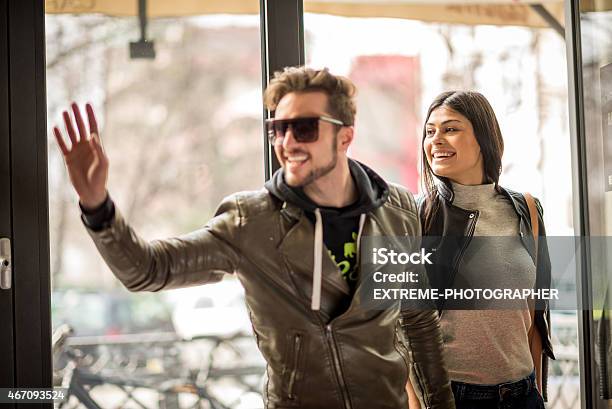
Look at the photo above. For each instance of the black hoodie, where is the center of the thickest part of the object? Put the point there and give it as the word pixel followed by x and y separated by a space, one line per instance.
pixel 340 225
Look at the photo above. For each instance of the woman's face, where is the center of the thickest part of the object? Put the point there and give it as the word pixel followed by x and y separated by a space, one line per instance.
pixel 451 147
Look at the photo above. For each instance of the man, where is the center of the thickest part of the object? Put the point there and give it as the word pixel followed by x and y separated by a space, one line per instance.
pixel 294 247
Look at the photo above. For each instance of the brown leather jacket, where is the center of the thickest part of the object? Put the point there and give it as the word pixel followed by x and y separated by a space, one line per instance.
pixel 360 359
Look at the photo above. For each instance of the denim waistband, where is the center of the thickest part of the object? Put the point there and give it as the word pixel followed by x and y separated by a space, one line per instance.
pixel 501 392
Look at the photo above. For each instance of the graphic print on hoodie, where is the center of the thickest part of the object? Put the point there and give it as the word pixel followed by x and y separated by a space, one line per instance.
pixel 340 225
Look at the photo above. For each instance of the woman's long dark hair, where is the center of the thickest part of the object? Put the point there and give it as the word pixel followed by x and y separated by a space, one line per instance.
pixel 475 107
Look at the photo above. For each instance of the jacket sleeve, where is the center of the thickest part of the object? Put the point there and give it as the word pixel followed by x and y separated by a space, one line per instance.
pixel 542 307
pixel 543 280
pixel 200 257
pixel 421 330
pixel 420 323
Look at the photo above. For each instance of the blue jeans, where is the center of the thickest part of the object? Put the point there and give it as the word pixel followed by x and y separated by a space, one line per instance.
pixel 522 394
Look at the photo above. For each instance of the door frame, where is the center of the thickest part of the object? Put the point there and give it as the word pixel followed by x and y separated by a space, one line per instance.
pixel 7 357
pixel 29 221
pixel 282 45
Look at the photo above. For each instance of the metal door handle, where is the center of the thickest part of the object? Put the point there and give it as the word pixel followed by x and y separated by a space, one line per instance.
pixel 5 263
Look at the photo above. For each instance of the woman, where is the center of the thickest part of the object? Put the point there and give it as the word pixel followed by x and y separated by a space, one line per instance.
pixel 495 357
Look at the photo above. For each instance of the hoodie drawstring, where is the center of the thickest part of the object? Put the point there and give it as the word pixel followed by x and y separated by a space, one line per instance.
pixel 318 262
pixel 362 219
pixel 317 274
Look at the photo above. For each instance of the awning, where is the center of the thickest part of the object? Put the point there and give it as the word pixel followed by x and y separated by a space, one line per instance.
pixel 495 12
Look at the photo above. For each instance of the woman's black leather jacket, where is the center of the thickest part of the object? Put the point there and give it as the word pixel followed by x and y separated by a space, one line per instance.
pixel 451 231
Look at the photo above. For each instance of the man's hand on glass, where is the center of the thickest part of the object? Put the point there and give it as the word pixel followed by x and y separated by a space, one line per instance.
pixel 85 160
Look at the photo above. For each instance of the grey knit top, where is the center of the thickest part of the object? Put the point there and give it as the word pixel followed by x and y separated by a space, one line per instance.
pixel 490 346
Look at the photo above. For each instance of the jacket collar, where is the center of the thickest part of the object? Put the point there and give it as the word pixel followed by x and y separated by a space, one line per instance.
pixel 519 205
pixel 445 192
pixel 291 210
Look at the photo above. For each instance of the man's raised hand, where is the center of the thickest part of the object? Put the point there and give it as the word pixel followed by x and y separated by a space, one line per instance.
pixel 85 160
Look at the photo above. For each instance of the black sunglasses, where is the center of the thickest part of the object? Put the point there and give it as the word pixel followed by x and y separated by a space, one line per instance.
pixel 303 129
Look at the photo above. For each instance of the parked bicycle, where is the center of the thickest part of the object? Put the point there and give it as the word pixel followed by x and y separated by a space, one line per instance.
pixel 80 379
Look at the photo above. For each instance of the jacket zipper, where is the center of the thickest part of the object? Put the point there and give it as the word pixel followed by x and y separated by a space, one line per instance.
pixel 338 370
pixel 297 346
pixel 419 377
pixel 471 228
pixel 330 335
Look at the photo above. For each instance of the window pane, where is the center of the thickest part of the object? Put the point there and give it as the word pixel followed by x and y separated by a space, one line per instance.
pixel 182 130
pixel 399 65
pixel 596 47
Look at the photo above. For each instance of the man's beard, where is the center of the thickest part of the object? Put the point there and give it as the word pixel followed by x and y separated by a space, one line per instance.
pixel 322 170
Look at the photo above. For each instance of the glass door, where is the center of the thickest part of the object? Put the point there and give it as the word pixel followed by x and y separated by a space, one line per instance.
pixel 591 77
pixel 177 94
pixel 400 64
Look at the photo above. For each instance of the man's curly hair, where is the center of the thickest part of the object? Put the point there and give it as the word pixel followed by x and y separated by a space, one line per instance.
pixel 340 90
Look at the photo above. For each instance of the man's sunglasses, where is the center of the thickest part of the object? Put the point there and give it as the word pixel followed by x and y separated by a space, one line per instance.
pixel 303 129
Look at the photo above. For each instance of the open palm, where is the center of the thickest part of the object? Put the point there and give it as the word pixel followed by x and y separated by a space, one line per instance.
pixel 86 161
